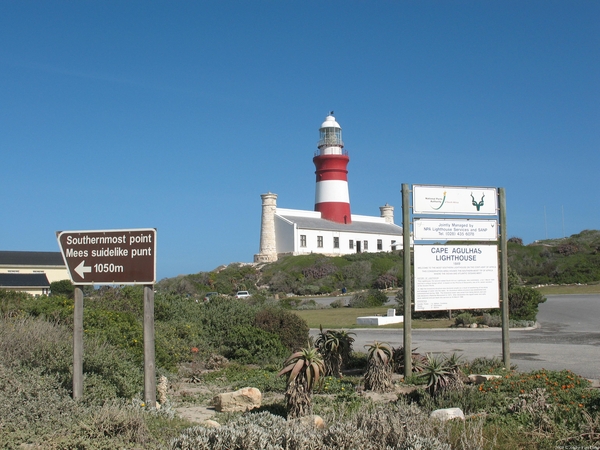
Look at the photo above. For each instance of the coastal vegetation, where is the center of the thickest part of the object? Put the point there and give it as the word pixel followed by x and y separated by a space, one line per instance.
pixel 204 348
pixel 540 409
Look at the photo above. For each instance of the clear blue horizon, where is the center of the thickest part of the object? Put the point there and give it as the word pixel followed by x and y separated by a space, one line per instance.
pixel 178 115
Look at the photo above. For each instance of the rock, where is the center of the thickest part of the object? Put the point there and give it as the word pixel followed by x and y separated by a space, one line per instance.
pixel 480 379
pixel 447 414
pixel 314 420
pixel 243 400
pixel 211 424
pixel 473 325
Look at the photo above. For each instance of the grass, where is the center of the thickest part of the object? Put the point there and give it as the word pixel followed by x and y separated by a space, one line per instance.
pixel 570 289
pixel 346 318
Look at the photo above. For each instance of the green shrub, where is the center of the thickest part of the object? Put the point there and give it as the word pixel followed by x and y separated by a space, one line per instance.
pixel 62 288
pixel 464 319
pixel 238 376
pixel 489 366
pixel 47 347
pixel 122 329
pixel 523 303
pixel 339 303
pixel 291 329
pixel 28 396
pixel 37 344
pixel 568 392
pixel 251 345
pixel 491 320
pixel 369 299
pixel 56 309
pixel 222 314
pixel 110 369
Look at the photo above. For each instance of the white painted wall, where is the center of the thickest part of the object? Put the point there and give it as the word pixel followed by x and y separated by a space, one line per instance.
pixel 285 237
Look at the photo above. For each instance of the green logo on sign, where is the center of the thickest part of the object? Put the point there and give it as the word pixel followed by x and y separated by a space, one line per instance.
pixel 477 204
pixel 441 204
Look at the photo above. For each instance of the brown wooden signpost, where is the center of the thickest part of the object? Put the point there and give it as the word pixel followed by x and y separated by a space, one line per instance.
pixel 112 257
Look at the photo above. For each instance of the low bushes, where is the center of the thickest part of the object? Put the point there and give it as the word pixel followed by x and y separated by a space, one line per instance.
pixel 251 345
pixel 369 299
pixel 379 427
pixel 291 329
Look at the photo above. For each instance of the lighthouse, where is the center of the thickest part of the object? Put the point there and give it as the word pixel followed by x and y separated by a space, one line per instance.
pixel 332 199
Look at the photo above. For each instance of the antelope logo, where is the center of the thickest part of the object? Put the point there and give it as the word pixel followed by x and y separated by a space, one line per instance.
pixel 477 204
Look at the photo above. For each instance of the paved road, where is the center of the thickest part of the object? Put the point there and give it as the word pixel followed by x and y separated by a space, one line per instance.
pixel 568 338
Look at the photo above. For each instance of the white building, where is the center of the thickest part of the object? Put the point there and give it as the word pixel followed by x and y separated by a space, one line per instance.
pixel 31 272
pixel 331 229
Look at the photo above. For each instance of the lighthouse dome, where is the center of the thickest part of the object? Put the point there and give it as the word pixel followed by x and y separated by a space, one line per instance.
pixel 330 123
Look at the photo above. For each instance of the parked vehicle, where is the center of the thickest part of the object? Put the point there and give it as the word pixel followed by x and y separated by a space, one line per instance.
pixel 242 294
pixel 209 295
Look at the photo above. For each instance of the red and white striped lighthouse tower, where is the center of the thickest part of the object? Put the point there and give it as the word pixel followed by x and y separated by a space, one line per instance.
pixel 332 199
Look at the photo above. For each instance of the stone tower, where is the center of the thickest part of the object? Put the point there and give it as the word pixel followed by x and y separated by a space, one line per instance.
pixel 268 244
pixel 387 212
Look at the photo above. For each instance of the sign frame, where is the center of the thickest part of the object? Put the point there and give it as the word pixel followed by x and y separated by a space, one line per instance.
pixel 455 200
pixel 117 256
pixel 454 277
pixel 426 229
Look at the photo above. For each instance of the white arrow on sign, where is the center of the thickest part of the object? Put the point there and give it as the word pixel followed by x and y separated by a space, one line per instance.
pixel 81 269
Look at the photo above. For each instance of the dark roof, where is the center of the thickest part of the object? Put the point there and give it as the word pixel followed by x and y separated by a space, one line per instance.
pixel 21 280
pixel 31 258
pixel 313 223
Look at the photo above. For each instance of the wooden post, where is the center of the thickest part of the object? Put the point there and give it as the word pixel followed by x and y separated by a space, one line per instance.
pixel 149 364
pixel 504 280
pixel 78 344
pixel 407 289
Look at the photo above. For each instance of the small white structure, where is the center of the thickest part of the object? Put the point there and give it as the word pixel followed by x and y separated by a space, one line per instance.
pixel 390 318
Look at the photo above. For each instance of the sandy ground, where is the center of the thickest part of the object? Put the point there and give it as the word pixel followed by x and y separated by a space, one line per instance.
pixel 201 413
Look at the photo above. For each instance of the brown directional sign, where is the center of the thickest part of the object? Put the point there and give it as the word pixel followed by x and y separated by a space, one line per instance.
pixel 110 256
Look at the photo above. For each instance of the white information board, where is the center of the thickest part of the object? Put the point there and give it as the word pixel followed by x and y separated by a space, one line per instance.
pixel 455 200
pixel 456 277
pixel 455 229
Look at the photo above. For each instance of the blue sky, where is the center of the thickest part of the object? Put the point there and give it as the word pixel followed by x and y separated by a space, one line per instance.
pixel 178 115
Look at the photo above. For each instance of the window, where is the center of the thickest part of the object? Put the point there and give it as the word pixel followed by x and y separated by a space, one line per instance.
pixel 393 245
pixel 320 241
pixel 379 244
pixel 302 240
pixel 336 242
pixel 351 244
pixel 366 245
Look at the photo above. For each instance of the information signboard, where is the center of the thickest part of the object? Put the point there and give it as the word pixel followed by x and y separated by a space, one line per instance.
pixel 455 200
pixel 110 256
pixel 456 277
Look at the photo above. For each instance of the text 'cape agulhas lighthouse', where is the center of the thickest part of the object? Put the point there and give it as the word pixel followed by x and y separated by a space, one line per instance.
pixel 332 199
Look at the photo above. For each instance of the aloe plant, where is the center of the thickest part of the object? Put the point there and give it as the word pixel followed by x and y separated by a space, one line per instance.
pixel 437 373
pixel 346 341
pixel 328 345
pixel 378 376
pixel 304 368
